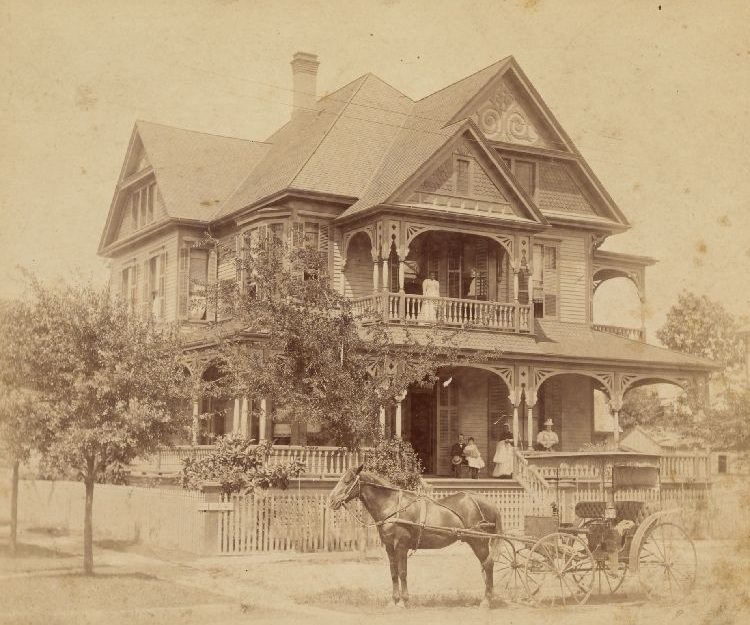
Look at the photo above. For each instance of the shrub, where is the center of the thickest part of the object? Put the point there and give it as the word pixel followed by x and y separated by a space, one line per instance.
pixel 395 460
pixel 239 465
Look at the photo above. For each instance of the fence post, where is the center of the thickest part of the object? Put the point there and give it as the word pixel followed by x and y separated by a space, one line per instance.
pixel 211 508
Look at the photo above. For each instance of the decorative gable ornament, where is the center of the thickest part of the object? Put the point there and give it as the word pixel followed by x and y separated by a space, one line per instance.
pixel 502 118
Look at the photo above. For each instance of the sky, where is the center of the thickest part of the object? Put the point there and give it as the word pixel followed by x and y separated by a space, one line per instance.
pixel 656 96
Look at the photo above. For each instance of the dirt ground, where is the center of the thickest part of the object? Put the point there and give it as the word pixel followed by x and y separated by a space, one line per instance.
pixel 137 585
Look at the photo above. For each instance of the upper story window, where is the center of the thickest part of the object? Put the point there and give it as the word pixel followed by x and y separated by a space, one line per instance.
pixel 156 286
pixel 524 172
pixel 142 202
pixel 545 280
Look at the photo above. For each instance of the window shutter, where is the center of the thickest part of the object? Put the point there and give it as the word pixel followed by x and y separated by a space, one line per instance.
pixel 481 264
pixel 550 281
pixel 146 300
pixel 184 282
pixel 163 285
pixel 323 247
pixel 211 280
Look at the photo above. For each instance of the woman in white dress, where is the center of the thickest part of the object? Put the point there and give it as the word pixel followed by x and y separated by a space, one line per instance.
pixel 504 454
pixel 430 288
pixel 473 458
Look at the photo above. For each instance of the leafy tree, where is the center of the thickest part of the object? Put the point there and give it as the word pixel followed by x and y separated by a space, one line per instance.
pixel 296 340
pixel 239 465
pixel 395 460
pixel 22 430
pixel 112 382
pixel 641 406
pixel 701 327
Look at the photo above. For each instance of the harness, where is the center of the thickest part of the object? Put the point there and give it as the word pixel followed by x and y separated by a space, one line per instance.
pixel 393 516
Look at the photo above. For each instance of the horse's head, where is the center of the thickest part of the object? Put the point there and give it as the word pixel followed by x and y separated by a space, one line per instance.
pixel 346 489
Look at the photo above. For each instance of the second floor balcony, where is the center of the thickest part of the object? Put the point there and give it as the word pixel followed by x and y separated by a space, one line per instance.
pixel 447 311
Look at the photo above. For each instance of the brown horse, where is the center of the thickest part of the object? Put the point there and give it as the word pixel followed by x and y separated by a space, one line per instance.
pixel 404 520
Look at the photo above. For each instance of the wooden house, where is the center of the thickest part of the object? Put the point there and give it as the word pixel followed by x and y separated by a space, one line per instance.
pixel 476 183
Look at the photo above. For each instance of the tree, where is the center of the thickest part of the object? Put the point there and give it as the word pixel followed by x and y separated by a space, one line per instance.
pixel 21 429
pixel 296 340
pixel 641 406
pixel 701 327
pixel 113 383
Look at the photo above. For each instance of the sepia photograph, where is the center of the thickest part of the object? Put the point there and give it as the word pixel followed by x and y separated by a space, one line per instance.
pixel 374 312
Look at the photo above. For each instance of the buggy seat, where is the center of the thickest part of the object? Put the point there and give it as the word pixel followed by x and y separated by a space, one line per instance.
pixel 624 510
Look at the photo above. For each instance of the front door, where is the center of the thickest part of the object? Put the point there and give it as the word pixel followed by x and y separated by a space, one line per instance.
pixel 422 436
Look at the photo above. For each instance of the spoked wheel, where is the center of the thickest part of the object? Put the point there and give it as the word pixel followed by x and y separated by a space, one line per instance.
pixel 559 570
pixel 667 563
pixel 608 580
pixel 510 558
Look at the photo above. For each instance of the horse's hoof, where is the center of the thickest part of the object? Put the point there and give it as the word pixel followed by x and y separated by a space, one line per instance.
pixel 485 603
pixel 404 605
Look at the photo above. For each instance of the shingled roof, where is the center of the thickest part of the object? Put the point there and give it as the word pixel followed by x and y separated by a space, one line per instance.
pixel 195 171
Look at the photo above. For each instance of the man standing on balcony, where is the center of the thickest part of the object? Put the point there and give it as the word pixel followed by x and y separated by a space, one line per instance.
pixel 457 456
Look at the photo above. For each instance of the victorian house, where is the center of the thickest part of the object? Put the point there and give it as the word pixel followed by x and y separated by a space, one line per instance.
pixel 476 187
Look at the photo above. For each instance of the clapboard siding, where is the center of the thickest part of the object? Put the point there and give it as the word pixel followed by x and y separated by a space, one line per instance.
pixel 572 271
pixel 472 407
pixel 139 254
pixel 358 272
pixel 227 252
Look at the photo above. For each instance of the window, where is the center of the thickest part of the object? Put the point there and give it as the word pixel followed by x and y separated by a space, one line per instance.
pixel 156 286
pixel 129 287
pixel 524 172
pixel 462 176
pixel 197 270
pixel 544 280
pixel 142 206
pixel 313 236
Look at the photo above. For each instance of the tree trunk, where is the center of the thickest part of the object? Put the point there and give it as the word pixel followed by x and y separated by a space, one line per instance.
pixel 88 526
pixel 14 509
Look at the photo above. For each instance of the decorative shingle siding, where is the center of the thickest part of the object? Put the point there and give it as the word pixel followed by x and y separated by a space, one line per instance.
pixel 557 191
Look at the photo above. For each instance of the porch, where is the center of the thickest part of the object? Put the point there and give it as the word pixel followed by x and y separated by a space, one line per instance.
pixel 447 278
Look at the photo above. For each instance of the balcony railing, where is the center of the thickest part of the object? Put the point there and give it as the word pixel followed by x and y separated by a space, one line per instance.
pixel 635 334
pixel 418 309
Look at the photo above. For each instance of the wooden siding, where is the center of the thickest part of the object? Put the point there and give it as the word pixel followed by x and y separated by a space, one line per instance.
pixel 572 271
pixel 473 407
pixel 227 257
pixel 138 255
pixel 358 272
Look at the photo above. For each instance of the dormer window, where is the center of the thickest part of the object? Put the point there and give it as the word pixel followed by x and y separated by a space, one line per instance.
pixel 142 206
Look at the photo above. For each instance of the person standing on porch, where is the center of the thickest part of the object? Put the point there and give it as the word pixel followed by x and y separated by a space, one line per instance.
pixel 457 456
pixel 430 288
pixel 547 439
pixel 473 458
pixel 504 454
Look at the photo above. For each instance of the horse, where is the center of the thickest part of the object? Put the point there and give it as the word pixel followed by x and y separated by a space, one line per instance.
pixel 406 521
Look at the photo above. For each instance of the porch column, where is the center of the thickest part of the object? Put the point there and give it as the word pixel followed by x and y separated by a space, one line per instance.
pixel 384 274
pixel 262 420
pixel 530 403
pixel 643 318
pixel 374 272
pixel 398 420
pixel 196 412
pixel 516 310
pixel 515 400
pixel 401 273
pixel 615 405
pixel 244 430
pixel 382 421
pixel 236 419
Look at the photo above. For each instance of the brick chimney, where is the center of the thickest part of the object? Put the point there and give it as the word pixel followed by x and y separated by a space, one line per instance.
pixel 304 80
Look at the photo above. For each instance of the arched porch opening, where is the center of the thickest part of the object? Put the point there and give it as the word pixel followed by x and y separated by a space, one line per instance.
pixel 568 400
pixel 467 266
pixel 617 303
pixel 214 407
pixel 472 401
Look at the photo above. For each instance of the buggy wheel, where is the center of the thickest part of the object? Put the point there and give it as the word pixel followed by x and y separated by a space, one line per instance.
pixel 559 570
pixel 667 563
pixel 510 558
pixel 607 580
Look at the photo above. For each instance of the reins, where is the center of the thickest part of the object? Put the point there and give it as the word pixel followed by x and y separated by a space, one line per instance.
pixel 385 519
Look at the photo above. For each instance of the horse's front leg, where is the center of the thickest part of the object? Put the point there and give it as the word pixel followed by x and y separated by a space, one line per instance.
pixel 488 569
pixel 402 554
pixel 394 571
